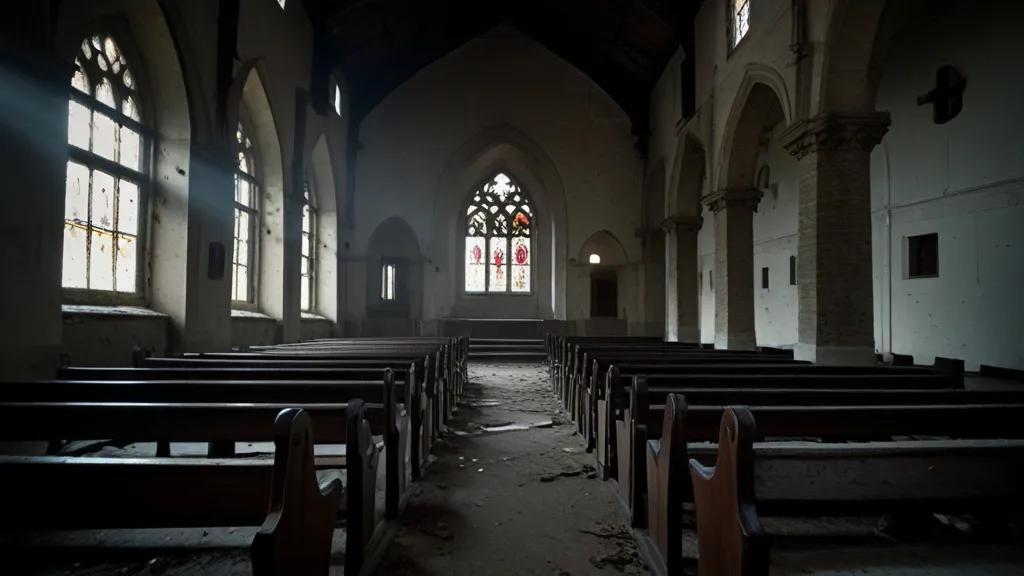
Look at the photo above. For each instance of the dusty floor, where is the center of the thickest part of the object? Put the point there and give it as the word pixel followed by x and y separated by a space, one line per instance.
pixel 519 502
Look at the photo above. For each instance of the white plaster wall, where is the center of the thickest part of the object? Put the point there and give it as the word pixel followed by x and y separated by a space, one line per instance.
pixel 963 180
pixel 775 240
pixel 499 78
pixel 706 246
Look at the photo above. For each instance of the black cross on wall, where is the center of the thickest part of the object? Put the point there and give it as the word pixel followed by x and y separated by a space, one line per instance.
pixel 947 98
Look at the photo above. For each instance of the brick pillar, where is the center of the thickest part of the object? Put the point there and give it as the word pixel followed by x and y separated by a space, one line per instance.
pixel 834 263
pixel 682 290
pixel 734 267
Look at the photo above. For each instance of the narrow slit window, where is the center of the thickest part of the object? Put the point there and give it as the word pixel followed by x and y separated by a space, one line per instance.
pixel 740 20
pixel 387 282
pixel 764 278
pixel 247 220
pixel 792 270
pixel 308 264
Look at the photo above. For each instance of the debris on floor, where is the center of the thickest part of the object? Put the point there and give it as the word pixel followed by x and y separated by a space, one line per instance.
pixel 587 471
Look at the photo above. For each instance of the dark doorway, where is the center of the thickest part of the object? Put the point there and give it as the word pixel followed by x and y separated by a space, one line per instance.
pixel 604 294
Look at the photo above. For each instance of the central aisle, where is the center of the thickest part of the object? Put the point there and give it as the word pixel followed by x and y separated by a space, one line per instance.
pixel 514 502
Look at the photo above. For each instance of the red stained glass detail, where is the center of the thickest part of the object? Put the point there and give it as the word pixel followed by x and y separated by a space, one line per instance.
pixel 521 254
pixel 498 257
pixel 477 254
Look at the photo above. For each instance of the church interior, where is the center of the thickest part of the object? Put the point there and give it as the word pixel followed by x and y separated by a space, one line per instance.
pixel 664 287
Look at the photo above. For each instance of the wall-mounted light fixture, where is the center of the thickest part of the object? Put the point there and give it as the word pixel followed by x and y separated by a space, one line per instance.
pixel 595 259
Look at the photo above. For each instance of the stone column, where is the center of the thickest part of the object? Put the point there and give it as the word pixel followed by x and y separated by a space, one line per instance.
pixel 653 285
pixel 734 267
pixel 33 161
pixel 836 313
pixel 682 289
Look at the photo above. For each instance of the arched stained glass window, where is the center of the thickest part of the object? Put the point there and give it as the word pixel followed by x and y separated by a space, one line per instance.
pixel 107 176
pixel 499 220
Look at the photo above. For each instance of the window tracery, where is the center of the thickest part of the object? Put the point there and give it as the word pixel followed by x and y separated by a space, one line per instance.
pixel 499 221
pixel 107 172
pixel 740 20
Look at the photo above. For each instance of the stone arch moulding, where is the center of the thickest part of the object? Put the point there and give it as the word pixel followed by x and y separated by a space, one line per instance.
pixel 688 172
pixel 607 246
pixel 751 94
pixel 498 148
pixel 847 80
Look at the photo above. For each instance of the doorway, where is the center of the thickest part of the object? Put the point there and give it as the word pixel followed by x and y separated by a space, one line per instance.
pixel 604 294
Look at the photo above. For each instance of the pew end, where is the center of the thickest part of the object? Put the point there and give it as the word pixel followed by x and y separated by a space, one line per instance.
pixel 296 538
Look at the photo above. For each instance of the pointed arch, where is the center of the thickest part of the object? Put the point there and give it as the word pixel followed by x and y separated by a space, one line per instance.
pixel 394 278
pixel 253 116
pixel 498 226
pixel 142 35
pixel 606 246
pixel 761 101
pixel 325 249
pixel 689 172
pixel 499 148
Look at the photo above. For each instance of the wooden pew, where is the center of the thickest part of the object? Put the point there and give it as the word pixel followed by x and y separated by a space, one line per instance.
pixel 669 481
pixel 384 416
pixel 295 512
pixel 588 389
pixel 611 423
pixel 408 389
pixel 749 481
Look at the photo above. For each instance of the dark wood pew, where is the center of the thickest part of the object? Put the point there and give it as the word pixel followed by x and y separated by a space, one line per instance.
pixel 610 422
pixel 749 481
pixel 588 388
pixel 646 414
pixel 295 512
pixel 408 389
pixel 384 417
pixel 561 345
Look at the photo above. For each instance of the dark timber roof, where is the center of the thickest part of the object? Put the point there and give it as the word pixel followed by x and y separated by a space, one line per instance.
pixel 623 45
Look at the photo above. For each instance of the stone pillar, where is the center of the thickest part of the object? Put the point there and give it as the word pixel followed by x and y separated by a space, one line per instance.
pixel 33 161
pixel 734 267
pixel 653 285
pixel 682 288
pixel 836 313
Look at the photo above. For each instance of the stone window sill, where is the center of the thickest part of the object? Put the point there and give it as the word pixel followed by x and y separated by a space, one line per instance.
pixel 109 311
pixel 314 317
pixel 249 315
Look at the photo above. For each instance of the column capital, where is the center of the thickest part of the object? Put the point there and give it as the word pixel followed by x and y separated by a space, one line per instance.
pixel 678 223
pixel 836 131
pixel 733 198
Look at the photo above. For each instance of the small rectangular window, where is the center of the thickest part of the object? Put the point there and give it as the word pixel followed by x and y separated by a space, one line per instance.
pixel 700 283
pixel 711 280
pixel 387 282
pixel 792 270
pixel 922 256
pixel 764 278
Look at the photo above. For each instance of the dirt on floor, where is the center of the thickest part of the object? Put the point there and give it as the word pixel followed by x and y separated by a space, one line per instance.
pixel 512 502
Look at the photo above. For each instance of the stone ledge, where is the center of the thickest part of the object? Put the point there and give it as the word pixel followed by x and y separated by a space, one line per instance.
pixel 249 315
pixel 109 311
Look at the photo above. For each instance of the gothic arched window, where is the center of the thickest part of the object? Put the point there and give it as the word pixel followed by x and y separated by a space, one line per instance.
pixel 498 251
pixel 308 270
pixel 247 221
pixel 108 175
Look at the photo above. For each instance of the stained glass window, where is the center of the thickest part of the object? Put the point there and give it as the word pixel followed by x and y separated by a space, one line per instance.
pixel 308 287
pixel 247 216
pixel 740 20
pixel 106 173
pixel 499 220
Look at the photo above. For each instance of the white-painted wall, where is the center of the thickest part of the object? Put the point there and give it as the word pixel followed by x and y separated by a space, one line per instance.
pixel 501 78
pixel 963 180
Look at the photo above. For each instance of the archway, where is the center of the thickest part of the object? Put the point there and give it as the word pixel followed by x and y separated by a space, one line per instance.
pixel 760 105
pixel 501 148
pixel 602 264
pixel 683 302
pixel 394 279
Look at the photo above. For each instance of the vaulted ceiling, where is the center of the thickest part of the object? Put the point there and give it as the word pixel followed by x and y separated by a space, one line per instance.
pixel 623 45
